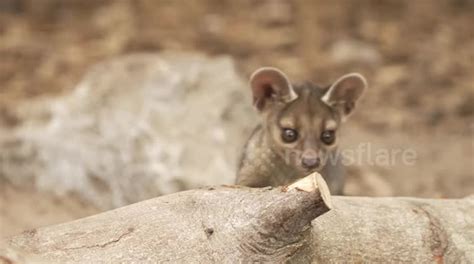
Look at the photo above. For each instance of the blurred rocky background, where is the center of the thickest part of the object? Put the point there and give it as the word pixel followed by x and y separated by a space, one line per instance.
pixel 105 103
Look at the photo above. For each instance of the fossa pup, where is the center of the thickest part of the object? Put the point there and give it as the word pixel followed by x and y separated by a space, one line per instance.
pixel 298 133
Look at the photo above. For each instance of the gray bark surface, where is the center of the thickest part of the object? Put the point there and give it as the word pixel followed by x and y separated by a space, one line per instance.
pixel 395 230
pixel 230 224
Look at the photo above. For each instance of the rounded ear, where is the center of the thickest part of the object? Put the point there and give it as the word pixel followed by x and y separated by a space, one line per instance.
pixel 345 92
pixel 270 84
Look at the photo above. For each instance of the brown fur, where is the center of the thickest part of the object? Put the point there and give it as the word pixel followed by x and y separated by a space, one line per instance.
pixel 289 143
pixel 268 161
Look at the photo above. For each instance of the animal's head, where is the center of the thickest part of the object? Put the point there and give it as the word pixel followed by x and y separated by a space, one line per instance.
pixel 302 121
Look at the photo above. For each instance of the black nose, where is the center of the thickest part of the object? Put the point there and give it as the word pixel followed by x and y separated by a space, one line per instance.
pixel 310 163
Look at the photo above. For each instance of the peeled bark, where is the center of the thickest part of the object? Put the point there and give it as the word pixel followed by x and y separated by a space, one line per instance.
pixel 232 224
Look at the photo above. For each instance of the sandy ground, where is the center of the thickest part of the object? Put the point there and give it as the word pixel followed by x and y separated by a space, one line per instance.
pixel 22 209
pixel 417 56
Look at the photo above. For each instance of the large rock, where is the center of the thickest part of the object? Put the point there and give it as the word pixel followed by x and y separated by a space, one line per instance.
pixel 135 127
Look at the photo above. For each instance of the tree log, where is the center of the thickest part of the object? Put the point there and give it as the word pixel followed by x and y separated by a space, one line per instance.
pixel 231 224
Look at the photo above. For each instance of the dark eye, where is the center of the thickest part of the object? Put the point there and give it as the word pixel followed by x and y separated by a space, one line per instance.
pixel 328 137
pixel 289 135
